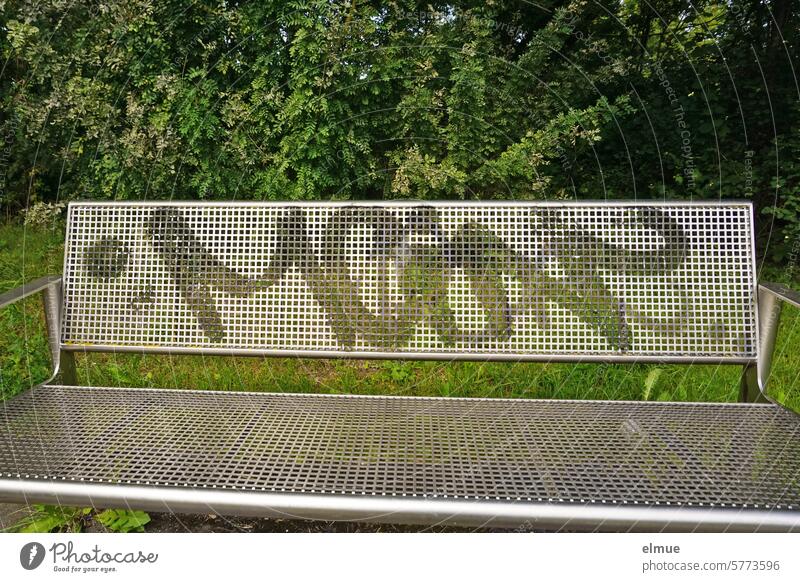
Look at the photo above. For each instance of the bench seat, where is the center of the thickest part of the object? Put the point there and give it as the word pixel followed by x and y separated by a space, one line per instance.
pixel 476 462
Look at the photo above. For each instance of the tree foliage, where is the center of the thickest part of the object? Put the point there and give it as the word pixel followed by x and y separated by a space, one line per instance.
pixel 345 99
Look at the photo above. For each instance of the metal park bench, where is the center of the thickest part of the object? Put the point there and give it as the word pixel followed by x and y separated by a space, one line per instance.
pixel 512 281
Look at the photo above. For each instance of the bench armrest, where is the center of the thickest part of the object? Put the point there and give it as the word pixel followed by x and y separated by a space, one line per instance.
pixel 782 292
pixel 28 289
pixel 50 287
pixel 771 297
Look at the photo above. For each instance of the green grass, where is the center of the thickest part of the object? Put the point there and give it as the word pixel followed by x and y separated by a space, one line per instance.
pixel 23 360
pixel 25 255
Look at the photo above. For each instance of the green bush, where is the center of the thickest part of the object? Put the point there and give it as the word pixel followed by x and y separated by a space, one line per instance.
pixel 316 99
pixel 56 518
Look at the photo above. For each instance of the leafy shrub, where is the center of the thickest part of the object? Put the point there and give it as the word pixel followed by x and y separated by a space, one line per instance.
pixel 123 520
pixel 43 215
pixel 317 99
pixel 54 518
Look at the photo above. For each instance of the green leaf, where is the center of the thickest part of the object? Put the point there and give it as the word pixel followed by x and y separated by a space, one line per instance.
pixel 123 520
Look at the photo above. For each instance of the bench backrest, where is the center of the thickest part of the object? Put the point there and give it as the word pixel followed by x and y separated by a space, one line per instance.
pixel 490 280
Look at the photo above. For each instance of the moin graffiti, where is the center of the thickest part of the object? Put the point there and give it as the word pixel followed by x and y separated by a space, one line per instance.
pixel 423 270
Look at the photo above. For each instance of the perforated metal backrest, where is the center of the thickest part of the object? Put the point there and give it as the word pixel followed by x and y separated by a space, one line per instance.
pixel 506 280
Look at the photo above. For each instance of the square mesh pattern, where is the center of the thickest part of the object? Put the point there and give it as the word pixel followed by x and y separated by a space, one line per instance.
pixel 627 453
pixel 521 279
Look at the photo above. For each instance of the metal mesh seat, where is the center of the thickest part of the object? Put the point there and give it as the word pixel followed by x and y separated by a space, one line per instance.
pixel 626 454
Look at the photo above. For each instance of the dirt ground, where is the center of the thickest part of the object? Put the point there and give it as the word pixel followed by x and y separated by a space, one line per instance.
pixel 210 523
pixel 165 522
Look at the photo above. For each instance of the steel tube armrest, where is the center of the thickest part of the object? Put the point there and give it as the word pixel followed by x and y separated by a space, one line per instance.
pixel 771 297
pixel 50 287
pixel 782 292
pixel 28 289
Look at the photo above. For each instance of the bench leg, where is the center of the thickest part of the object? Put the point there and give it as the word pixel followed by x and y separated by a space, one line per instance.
pixel 63 362
pixel 66 370
pixel 749 390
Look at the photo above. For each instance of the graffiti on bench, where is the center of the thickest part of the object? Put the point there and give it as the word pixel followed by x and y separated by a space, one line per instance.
pixel 422 273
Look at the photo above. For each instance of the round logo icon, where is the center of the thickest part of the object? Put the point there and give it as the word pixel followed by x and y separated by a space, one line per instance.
pixel 31 555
